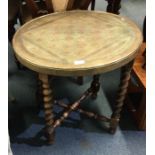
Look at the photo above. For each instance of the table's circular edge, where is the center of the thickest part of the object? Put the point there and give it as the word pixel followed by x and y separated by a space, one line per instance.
pixel 78 72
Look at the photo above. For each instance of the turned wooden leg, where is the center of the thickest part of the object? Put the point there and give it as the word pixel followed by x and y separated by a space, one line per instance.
pixel 80 80
pixel 95 85
pixel 125 77
pixel 39 94
pixel 48 106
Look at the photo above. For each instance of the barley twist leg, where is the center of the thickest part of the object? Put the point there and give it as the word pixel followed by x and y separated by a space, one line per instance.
pixel 125 77
pixel 95 85
pixel 48 106
pixel 39 95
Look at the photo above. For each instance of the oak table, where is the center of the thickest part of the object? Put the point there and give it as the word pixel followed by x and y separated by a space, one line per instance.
pixel 78 43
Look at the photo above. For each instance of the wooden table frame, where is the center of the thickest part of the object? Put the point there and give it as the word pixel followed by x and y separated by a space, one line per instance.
pixel 52 123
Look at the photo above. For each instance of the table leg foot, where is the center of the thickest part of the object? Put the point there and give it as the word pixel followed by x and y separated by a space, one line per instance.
pixel 48 107
pixel 50 137
pixel 95 85
pixel 113 125
pixel 112 131
pixel 125 77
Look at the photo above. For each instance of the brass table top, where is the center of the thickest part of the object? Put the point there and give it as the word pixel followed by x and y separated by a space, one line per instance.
pixel 77 43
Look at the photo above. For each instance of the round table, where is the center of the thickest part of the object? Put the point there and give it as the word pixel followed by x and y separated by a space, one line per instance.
pixel 78 43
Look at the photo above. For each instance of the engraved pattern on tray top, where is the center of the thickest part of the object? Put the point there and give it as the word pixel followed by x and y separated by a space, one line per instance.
pixel 60 39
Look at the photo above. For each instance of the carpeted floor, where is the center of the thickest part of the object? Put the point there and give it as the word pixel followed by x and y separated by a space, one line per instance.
pixel 78 135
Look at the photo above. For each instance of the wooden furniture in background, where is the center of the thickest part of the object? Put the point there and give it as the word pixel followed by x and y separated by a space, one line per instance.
pixel 144 40
pixel 38 8
pixel 138 71
pixel 79 48
pixel 13 14
pixel 113 6
pixel 26 10
pixel 93 4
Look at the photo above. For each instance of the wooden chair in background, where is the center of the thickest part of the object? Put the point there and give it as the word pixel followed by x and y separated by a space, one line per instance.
pixel 25 10
pixel 38 8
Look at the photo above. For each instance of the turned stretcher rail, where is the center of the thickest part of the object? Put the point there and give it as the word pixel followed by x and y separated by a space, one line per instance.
pixel 87 113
